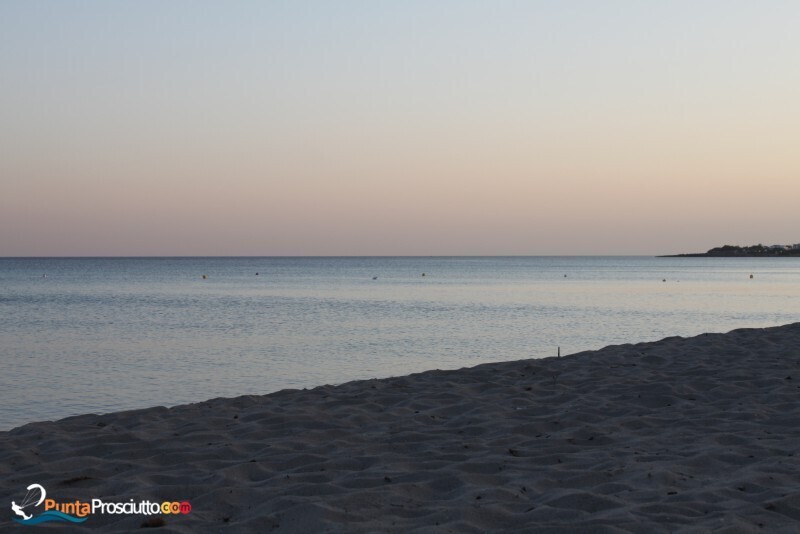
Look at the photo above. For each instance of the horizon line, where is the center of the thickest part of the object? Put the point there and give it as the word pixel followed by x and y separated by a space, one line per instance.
pixel 152 256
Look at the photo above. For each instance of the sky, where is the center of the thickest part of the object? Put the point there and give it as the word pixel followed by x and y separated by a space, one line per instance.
pixel 450 127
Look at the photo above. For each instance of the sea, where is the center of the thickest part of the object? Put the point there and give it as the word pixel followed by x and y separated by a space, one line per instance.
pixel 96 335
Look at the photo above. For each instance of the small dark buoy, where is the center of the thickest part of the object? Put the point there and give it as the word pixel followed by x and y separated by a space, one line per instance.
pixel 423 274
pixel 205 276
pixel 256 274
pixel 565 276
pixel 374 277
pixel 664 280
pixel 751 276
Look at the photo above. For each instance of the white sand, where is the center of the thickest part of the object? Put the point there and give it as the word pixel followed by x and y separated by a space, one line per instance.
pixel 696 435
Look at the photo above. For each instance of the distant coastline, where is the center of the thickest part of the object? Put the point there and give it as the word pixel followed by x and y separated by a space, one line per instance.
pixel 752 251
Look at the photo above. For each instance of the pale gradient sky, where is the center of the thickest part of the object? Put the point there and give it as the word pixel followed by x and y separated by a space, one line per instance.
pixel 393 128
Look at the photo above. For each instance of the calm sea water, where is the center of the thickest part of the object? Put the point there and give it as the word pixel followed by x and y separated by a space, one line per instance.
pixel 106 334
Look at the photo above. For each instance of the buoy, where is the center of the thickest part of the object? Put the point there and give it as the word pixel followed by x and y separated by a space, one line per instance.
pixel 204 277
pixel 751 276
pixel 256 274
pixel 423 274
pixel 374 277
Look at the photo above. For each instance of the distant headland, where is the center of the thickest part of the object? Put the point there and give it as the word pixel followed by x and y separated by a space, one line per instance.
pixel 731 251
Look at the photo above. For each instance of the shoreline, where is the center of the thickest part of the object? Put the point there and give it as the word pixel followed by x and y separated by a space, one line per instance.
pixel 681 433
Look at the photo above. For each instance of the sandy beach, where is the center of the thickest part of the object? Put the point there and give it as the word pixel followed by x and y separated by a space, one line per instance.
pixel 685 434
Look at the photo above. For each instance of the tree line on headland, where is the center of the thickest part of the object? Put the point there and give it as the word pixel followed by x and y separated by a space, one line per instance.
pixel 728 251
